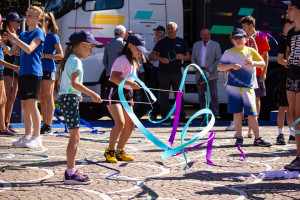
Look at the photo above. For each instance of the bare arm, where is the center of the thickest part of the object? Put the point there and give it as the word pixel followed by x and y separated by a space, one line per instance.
pixel 185 57
pixel 281 60
pixel 264 74
pixel 81 88
pixel 154 56
pixel 25 47
pixel 59 53
pixel 224 67
pixel 10 51
pixel 8 65
pixel 287 55
pixel 116 78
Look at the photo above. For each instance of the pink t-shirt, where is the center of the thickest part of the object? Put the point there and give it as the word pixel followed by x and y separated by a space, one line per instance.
pixel 122 65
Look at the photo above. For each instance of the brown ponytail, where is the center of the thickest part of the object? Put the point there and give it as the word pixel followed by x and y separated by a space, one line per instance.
pixel 51 23
pixel 68 52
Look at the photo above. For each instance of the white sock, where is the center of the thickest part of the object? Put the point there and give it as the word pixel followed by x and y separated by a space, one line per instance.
pixel 280 131
pixel 118 149
pixel 70 172
pixel 292 133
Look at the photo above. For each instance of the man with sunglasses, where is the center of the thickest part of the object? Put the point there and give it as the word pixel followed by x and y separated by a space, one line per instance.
pixel 170 51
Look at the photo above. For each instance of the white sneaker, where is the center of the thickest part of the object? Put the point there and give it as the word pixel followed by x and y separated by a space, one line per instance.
pixel 230 127
pixel 22 141
pixel 35 142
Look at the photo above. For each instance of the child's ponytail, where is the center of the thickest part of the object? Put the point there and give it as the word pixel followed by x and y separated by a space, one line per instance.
pixel 68 52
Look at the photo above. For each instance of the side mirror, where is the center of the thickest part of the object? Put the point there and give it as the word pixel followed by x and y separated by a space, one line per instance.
pixel 90 5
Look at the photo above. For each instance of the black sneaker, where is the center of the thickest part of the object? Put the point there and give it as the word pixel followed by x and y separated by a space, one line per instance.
pixel 43 129
pixel 46 130
pixel 261 142
pixel 6 132
pixel 295 165
pixel 292 140
pixel 239 141
pixel 76 179
pixel 280 140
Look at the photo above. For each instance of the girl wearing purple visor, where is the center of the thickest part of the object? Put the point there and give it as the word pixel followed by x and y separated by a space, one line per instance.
pixel 126 64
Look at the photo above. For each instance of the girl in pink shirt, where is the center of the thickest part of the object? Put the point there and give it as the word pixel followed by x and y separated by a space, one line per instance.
pixel 127 63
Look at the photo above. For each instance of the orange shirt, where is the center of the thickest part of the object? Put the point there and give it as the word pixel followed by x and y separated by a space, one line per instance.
pixel 262 45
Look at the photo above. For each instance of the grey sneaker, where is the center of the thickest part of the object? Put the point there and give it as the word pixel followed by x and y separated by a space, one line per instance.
pixel 261 142
pixel 295 165
pixel 230 127
pixel 239 141
pixel 280 140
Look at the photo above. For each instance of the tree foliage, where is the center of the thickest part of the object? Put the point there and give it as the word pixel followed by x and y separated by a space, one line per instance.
pixel 19 6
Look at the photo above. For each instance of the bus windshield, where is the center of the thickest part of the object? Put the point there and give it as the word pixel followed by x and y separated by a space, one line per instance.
pixel 59 7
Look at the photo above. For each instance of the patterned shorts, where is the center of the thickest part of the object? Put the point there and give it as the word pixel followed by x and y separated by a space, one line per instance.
pixel 293 85
pixel 69 106
pixel 241 98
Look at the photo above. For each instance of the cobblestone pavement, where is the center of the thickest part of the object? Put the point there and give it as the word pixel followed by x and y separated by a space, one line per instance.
pixel 168 180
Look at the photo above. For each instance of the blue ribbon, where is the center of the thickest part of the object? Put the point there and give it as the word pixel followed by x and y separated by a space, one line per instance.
pixel 293 126
pixel 181 89
pixel 168 151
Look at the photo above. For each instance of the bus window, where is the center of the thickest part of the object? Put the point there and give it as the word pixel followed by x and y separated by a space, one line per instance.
pixel 108 4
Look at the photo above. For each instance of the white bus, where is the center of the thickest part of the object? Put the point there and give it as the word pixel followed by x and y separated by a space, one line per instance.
pixel 100 17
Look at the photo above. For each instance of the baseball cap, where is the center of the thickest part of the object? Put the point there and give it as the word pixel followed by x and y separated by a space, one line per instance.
pixel 160 28
pixel 292 2
pixel 83 36
pixel 239 32
pixel 138 41
pixel 13 16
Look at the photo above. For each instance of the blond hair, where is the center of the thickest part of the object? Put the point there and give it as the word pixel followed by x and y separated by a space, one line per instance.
pixel 39 12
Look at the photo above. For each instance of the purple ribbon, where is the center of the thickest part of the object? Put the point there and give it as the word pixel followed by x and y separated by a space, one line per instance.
pixel 176 118
pixel 209 142
pixel 268 36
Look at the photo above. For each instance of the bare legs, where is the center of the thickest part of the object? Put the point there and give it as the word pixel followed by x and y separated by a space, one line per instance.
pixel 31 117
pixel 47 101
pixel 11 88
pixel 123 126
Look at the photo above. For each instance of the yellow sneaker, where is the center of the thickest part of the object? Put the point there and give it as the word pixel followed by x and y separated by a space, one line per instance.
pixel 122 156
pixel 110 155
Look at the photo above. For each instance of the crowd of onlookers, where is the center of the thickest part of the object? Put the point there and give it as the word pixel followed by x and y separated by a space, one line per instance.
pixel 27 67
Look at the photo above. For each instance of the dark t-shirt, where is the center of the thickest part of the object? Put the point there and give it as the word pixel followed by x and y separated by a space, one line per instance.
pixel 168 48
pixel 282 50
pixel 293 41
pixel 7 58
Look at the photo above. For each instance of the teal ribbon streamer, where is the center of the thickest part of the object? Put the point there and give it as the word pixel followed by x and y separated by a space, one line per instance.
pixel 168 151
pixel 181 89
pixel 293 126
